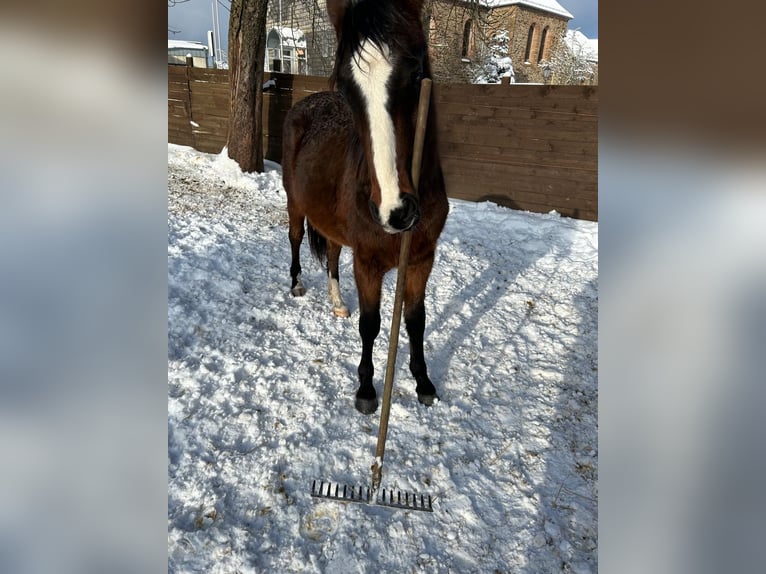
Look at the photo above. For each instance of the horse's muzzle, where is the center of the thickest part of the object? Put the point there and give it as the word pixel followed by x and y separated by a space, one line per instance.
pixel 402 218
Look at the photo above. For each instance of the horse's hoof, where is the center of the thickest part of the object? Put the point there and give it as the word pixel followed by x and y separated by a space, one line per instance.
pixel 298 291
pixel 340 312
pixel 366 406
pixel 427 400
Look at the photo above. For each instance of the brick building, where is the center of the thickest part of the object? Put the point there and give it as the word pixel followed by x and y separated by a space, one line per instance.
pixel 535 28
pixel 458 33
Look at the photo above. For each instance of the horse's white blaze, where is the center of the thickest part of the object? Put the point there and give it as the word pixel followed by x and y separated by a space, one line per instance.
pixel 371 69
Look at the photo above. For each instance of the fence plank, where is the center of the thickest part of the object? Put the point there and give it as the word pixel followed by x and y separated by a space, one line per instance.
pixel 524 146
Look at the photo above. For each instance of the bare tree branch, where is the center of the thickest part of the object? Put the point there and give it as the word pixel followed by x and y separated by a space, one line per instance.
pixel 570 61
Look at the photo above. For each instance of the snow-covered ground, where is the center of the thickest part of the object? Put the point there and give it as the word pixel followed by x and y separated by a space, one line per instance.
pixel 261 385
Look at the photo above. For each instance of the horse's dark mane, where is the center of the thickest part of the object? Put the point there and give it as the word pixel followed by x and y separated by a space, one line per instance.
pixel 376 21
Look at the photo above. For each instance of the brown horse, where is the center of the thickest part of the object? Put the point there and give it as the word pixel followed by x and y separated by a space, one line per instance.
pixel 346 168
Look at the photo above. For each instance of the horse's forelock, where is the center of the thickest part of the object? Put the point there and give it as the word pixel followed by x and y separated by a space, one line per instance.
pixel 374 38
pixel 374 21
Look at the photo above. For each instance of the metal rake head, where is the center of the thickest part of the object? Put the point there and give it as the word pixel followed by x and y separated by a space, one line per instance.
pixel 406 500
pixel 366 495
pixel 346 494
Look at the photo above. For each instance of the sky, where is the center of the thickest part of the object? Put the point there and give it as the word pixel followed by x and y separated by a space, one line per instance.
pixel 585 14
pixel 194 18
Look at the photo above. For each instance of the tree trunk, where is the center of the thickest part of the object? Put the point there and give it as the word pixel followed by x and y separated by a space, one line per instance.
pixel 247 47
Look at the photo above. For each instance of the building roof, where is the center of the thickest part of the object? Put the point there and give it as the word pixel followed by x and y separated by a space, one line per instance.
pixel 186 45
pixel 545 5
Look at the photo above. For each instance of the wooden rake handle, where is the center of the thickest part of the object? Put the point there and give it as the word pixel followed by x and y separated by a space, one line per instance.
pixel 401 277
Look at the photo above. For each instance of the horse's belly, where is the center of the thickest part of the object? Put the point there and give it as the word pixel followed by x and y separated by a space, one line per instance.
pixel 330 226
pixel 321 201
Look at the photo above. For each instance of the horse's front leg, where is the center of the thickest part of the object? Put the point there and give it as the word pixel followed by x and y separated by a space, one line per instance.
pixel 369 279
pixel 415 321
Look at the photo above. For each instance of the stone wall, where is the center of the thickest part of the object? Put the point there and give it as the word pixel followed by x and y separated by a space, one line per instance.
pixel 518 20
pixel 452 50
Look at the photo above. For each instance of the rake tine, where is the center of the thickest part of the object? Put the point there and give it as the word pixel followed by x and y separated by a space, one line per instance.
pixel 385 497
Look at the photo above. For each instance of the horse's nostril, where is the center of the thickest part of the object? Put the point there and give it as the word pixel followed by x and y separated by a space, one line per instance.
pixel 407 215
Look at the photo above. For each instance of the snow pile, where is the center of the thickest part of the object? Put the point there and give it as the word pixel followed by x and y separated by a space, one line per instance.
pixel 261 392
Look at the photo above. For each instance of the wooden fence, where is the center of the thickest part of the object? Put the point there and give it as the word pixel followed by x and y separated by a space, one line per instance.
pixel 528 147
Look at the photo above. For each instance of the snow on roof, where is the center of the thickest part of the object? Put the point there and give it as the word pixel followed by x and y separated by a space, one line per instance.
pixel 545 5
pixel 291 37
pixel 186 45
pixel 577 41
